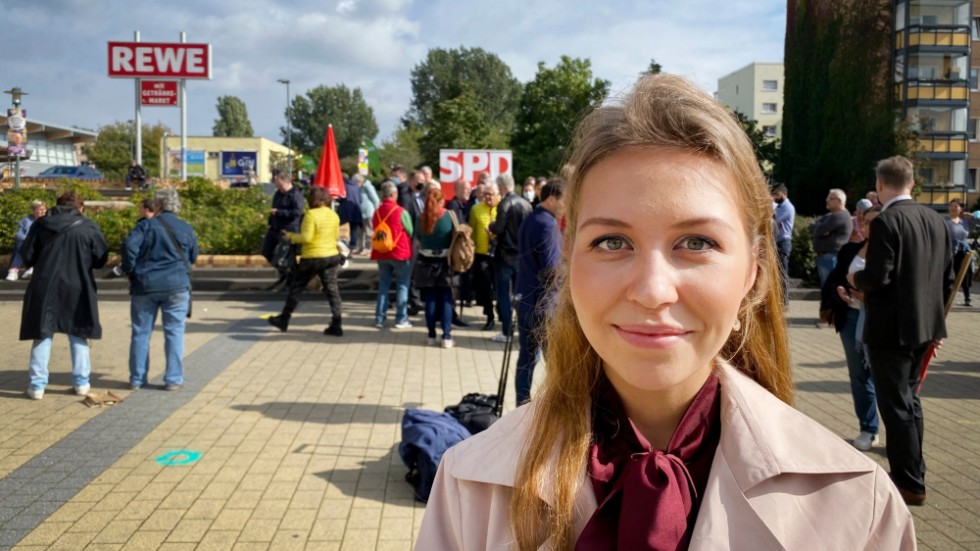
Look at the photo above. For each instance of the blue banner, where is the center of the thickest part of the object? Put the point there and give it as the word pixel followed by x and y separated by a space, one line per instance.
pixel 238 163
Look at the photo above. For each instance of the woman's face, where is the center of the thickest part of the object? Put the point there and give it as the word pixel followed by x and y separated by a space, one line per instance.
pixel 659 267
pixel 955 210
pixel 866 223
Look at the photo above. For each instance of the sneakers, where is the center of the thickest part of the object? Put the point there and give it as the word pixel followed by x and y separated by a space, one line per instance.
pixel 499 338
pixel 172 387
pixel 403 325
pixel 379 325
pixel 280 322
pixel 447 343
pixel 83 390
pixel 12 274
pixel 30 272
pixel 35 394
pixel 865 441
pixel 432 341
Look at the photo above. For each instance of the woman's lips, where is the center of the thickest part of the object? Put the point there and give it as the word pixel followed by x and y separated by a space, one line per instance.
pixel 648 336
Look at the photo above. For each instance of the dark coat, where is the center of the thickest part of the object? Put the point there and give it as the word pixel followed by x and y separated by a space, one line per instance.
pixel 61 296
pixel 909 263
pixel 829 299
pixel 511 212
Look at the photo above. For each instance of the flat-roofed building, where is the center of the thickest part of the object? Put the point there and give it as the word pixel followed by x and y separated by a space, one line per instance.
pixel 48 144
pixel 756 91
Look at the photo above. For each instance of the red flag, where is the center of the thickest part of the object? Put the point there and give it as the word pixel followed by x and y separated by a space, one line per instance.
pixel 328 172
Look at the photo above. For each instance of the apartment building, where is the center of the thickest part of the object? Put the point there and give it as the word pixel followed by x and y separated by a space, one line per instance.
pixel 936 72
pixel 756 91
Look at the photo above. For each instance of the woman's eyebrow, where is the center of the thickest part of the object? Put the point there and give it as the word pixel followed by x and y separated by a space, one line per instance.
pixel 603 221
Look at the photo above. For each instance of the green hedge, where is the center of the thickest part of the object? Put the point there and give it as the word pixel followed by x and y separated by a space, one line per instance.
pixel 802 259
pixel 227 221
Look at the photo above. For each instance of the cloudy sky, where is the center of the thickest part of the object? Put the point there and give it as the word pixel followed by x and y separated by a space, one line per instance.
pixel 56 49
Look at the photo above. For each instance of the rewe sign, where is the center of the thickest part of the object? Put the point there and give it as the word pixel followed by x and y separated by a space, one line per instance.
pixel 158 60
pixel 466 164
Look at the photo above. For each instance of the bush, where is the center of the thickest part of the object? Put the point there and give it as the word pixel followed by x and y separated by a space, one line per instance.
pixel 227 221
pixel 802 259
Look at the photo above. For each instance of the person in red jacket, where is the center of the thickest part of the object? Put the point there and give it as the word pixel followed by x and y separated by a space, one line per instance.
pixel 393 264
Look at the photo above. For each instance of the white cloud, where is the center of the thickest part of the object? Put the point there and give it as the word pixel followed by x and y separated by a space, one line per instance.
pixel 371 44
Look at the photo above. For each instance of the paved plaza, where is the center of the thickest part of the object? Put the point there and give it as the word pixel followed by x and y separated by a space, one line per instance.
pixel 289 440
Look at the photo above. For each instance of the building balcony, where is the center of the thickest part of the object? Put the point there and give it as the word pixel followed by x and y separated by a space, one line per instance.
pixel 950 146
pixel 936 92
pixel 939 196
pixel 934 38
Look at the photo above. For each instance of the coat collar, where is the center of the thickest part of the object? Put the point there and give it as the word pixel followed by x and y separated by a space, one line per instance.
pixel 758 442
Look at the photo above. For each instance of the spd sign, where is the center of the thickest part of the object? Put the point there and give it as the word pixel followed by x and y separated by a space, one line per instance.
pixel 466 164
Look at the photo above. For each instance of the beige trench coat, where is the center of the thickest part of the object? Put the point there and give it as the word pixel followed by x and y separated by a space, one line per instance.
pixel 779 481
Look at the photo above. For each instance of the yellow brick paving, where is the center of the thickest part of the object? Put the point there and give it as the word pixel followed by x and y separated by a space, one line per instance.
pixel 299 436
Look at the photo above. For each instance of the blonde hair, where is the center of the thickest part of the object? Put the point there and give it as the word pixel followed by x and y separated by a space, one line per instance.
pixel 661 112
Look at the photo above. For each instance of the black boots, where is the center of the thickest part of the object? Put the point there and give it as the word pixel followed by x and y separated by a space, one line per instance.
pixel 489 325
pixel 334 329
pixel 281 322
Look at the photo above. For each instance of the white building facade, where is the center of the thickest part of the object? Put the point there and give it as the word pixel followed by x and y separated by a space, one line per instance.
pixel 756 91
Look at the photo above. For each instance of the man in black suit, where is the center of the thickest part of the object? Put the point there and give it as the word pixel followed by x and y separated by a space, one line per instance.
pixel 909 261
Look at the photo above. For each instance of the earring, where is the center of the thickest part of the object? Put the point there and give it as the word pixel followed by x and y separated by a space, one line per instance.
pixel 737 326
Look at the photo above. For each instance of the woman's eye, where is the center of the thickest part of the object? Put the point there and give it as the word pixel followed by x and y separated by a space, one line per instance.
pixel 697 243
pixel 609 243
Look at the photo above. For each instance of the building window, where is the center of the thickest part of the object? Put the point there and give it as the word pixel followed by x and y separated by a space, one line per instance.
pixel 974 77
pixel 973 179
pixel 769 131
pixel 768 107
pixel 971 129
pixel 770 85
pixel 975 28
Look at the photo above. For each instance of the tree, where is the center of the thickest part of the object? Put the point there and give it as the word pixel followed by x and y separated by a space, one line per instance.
pixel 115 144
pixel 654 68
pixel 766 149
pixel 352 119
pixel 459 123
pixel 551 106
pixel 448 74
pixel 402 148
pixel 839 103
pixel 232 118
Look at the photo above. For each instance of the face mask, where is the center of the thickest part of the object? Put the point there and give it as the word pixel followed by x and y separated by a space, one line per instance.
pixel 529 195
pixel 418 187
pixel 779 201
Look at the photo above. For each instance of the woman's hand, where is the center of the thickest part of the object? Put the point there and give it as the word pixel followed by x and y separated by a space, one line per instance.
pixel 842 293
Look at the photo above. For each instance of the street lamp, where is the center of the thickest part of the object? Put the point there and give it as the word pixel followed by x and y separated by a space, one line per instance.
pixel 16 127
pixel 289 128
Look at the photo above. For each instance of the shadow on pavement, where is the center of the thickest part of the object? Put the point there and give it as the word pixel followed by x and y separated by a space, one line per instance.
pixel 376 480
pixel 330 414
pixel 14 382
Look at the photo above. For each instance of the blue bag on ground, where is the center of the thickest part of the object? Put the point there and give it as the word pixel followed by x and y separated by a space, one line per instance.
pixel 426 435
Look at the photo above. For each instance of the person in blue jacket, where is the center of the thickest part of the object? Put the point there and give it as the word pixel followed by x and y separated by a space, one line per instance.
pixel 38 209
pixel 539 243
pixel 157 255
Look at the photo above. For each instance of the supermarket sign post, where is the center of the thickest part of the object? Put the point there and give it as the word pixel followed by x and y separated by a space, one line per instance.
pixel 159 93
pixel 159 60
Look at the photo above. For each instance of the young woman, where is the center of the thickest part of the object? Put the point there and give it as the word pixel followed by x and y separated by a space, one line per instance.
pixel 432 275
pixel 319 257
pixel 663 422
pixel 960 228
pixel 847 310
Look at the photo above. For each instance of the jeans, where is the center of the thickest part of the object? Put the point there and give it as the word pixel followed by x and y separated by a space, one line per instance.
pixel 826 262
pixel 143 314
pixel 506 279
pixel 16 261
pixel 400 271
pixel 441 299
pixel 529 324
pixel 783 249
pixel 81 366
pixel 862 387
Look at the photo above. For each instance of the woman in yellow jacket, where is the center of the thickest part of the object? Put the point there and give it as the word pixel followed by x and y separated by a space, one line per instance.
pixel 319 257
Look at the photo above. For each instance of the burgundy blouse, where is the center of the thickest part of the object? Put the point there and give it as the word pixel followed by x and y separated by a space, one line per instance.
pixel 648 499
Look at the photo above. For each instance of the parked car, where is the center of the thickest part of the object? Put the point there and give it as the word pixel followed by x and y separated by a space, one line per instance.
pixel 81 172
